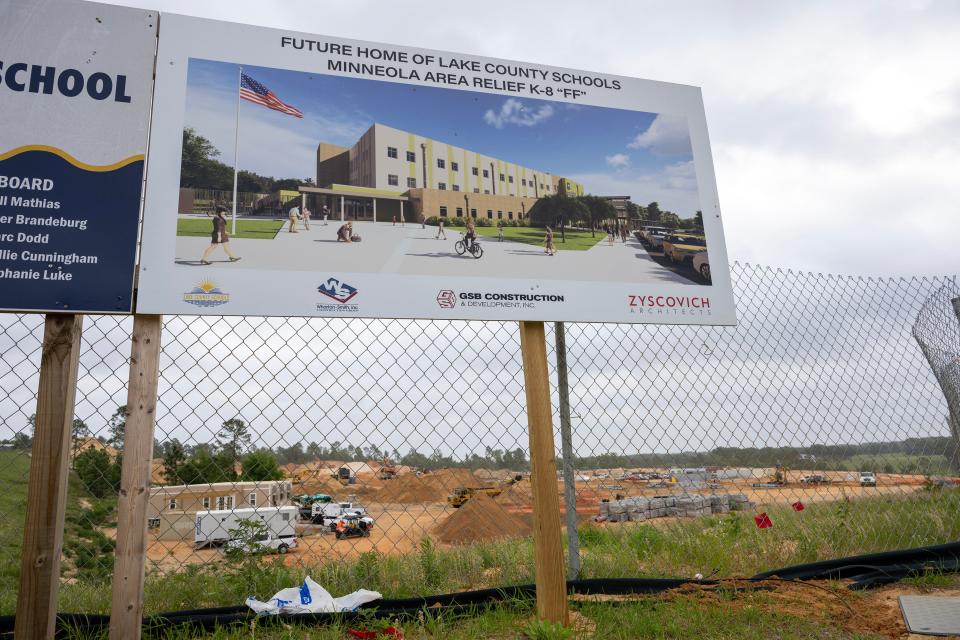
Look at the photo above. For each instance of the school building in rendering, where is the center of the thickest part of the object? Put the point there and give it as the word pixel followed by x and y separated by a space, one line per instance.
pixel 389 173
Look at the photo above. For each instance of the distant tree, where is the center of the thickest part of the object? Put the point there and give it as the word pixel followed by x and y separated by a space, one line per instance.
pixel 260 465
pixel 98 472
pixel 314 451
pixel 199 166
pixel 669 220
pixel 293 453
pixel 204 467
pixel 233 438
pixel 698 220
pixel 600 211
pixel 653 212
pixel 21 441
pixel 117 425
pixel 174 458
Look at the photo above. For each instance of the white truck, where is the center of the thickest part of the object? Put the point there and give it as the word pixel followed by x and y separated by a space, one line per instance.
pixel 324 514
pixel 213 527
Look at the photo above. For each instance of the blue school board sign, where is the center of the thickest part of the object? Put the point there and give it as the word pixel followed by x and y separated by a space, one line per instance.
pixel 73 132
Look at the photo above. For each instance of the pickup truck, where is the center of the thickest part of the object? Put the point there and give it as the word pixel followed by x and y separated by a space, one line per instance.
pixel 868 479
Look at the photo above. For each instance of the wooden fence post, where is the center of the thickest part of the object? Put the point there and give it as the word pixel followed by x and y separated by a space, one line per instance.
pixel 49 468
pixel 548 547
pixel 126 611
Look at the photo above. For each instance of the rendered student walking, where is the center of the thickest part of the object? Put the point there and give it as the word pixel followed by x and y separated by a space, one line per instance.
pixel 294 214
pixel 219 238
pixel 548 246
pixel 440 232
pixel 499 230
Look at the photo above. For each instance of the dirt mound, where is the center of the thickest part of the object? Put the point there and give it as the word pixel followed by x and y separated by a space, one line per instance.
pixel 450 479
pixel 519 494
pixel 430 487
pixel 481 518
pixel 410 489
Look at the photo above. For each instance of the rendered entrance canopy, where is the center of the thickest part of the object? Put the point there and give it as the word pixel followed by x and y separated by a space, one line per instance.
pixel 75 86
pixel 306 175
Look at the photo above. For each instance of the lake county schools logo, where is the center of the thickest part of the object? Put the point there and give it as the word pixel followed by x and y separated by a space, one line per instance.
pixel 206 294
pixel 339 291
pixel 447 299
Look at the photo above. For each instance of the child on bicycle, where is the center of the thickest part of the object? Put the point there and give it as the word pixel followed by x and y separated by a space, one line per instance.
pixel 471 235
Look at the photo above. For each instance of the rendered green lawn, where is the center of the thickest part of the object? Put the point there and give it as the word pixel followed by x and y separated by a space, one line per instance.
pixel 576 240
pixel 253 229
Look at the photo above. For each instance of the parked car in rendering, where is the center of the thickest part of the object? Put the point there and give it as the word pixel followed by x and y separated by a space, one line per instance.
pixel 701 264
pixel 868 479
pixel 645 233
pixel 655 240
pixel 682 248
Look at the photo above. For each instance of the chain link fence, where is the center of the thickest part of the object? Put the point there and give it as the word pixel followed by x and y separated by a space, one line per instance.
pixel 394 454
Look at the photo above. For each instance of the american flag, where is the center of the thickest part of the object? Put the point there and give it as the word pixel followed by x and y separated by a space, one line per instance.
pixel 253 91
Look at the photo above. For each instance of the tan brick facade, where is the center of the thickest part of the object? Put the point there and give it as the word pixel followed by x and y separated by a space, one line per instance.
pixel 429 202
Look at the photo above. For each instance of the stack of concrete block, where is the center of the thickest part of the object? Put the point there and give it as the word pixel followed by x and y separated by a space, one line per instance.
pixel 605 509
pixel 720 503
pixel 661 507
pixel 692 506
pixel 617 511
pixel 739 502
pixel 638 509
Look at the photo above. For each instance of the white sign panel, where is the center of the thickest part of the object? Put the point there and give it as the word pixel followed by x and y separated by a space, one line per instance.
pixel 76 80
pixel 300 175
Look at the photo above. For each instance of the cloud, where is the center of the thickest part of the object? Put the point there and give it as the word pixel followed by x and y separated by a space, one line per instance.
pixel 513 111
pixel 674 187
pixel 667 135
pixel 618 160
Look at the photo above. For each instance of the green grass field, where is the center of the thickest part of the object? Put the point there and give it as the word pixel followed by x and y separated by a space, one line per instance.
pixel 254 229
pixel 576 240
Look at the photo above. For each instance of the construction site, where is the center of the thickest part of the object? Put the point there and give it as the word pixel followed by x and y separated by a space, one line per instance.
pixel 455 506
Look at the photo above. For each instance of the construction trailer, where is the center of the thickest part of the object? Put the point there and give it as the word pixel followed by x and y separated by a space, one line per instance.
pixel 214 527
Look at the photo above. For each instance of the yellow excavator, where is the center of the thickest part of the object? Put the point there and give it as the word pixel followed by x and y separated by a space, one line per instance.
pixel 461 495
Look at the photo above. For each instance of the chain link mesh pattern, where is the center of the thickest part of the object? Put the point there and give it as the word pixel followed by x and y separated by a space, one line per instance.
pixel 687 430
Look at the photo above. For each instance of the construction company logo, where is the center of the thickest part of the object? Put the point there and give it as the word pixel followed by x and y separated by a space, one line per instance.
pixel 206 294
pixel 341 292
pixel 447 299
pixel 669 305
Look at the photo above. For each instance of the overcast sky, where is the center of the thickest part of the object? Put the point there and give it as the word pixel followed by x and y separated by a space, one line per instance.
pixel 835 126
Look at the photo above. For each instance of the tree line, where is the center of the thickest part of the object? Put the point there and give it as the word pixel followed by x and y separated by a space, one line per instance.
pixel 592 212
pixel 200 168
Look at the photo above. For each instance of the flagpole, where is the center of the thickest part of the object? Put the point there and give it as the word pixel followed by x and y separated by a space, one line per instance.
pixel 236 153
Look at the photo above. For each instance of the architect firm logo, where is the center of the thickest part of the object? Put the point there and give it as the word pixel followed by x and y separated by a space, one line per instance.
pixel 447 299
pixel 206 294
pixel 337 290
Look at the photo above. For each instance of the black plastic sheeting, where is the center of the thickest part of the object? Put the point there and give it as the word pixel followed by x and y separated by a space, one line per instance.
pixel 875 569
pixel 865 571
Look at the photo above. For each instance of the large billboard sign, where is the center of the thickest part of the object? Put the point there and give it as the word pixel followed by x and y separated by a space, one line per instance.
pixel 76 81
pixel 303 175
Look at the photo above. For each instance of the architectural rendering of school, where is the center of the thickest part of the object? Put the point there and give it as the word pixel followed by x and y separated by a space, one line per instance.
pixel 389 173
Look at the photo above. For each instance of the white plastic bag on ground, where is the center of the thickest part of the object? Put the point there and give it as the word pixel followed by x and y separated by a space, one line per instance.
pixel 310 597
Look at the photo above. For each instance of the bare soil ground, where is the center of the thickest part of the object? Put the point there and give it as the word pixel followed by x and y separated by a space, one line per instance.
pixel 410 507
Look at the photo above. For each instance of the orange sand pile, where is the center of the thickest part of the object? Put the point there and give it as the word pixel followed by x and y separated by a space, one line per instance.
pixel 481 518
pixel 430 487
